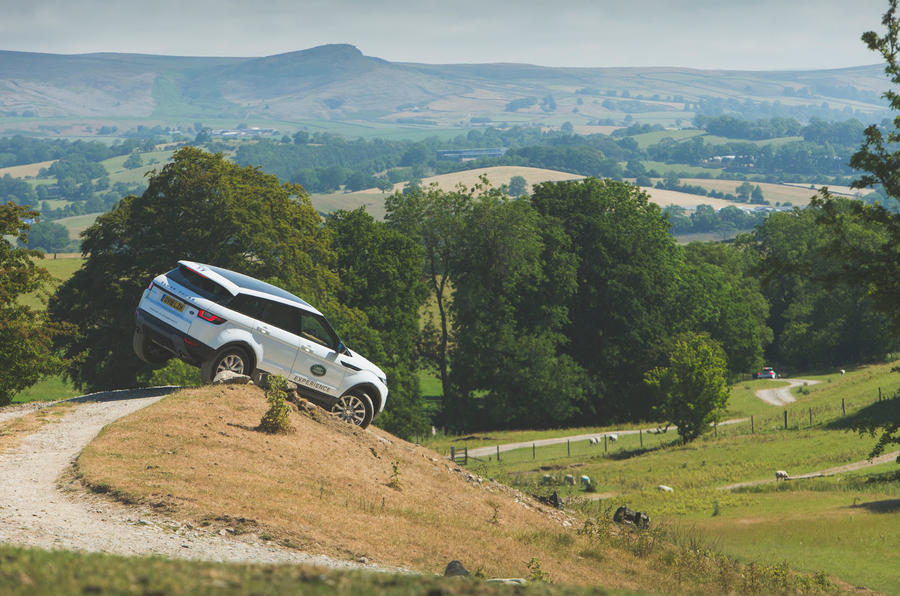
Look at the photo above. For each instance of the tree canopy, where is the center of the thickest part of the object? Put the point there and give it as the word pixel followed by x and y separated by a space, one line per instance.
pixel 26 337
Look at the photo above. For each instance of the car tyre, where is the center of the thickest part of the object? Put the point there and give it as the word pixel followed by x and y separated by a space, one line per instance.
pixel 148 351
pixel 232 359
pixel 355 407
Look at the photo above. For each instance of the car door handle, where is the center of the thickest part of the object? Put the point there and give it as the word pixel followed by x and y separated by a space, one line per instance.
pixel 264 330
pixel 306 349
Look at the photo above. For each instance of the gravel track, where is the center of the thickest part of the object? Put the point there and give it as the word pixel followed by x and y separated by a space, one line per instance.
pixel 36 511
pixel 780 396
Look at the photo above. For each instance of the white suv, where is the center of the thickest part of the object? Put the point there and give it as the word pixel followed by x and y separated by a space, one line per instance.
pixel 222 320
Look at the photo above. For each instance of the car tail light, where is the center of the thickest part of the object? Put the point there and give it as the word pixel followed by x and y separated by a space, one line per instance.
pixel 150 287
pixel 208 316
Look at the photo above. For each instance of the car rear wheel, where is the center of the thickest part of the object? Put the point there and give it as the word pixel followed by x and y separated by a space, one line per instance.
pixel 230 359
pixel 355 407
pixel 148 351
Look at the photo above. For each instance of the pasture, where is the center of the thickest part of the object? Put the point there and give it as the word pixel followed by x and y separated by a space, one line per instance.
pixel 29 170
pixel 841 525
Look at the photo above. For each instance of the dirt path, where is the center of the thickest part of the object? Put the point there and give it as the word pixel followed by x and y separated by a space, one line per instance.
pixel 827 472
pixel 782 395
pixel 35 511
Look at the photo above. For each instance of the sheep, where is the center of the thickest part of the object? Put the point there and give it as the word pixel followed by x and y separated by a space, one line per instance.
pixel 781 475
pixel 665 489
pixel 593 441
pixel 547 479
pixel 569 479
pixel 585 480
pixel 613 437
pixel 843 372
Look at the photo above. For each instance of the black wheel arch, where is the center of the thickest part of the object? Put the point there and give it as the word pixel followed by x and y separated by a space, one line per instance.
pixel 373 393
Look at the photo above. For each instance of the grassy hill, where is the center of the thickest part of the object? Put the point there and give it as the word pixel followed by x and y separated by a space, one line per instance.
pixel 839 525
pixel 338 83
pixel 198 455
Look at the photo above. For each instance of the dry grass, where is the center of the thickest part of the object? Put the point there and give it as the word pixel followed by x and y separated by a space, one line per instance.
pixel 664 198
pixel 334 489
pixel 373 199
pixel 798 195
pixel 14 430
pixel 25 170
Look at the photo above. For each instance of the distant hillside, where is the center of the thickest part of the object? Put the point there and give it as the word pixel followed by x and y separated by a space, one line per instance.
pixel 340 83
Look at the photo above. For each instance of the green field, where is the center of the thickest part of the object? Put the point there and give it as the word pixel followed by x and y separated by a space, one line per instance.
pixel 61 269
pixel 841 525
pixel 77 224
pixel 680 168
pixel 646 139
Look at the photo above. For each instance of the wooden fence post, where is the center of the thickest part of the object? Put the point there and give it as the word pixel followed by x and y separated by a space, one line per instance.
pixel 716 428
pixel 752 430
pixel 641 435
pixel 568 447
pixel 466 456
pixel 604 443
pixel 810 416
pixel 785 420
pixel 453 453
pixel 843 408
pixel 498 452
pixel 533 456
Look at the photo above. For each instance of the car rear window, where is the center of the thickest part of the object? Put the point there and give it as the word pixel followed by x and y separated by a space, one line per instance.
pixel 201 285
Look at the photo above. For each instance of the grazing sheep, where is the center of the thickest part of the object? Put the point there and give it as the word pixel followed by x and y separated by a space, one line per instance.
pixel 843 372
pixel 593 441
pixel 613 437
pixel 547 479
pixel 781 475
pixel 665 489
pixel 569 479
pixel 585 480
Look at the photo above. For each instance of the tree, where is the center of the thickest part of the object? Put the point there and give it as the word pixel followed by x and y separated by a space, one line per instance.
pixel 517 186
pixel 434 217
pixel 875 264
pixel 721 296
pixel 199 207
pixel 49 236
pixel 514 271
pixel 628 267
pixel 757 197
pixel 133 161
pixel 744 191
pixel 692 389
pixel 26 336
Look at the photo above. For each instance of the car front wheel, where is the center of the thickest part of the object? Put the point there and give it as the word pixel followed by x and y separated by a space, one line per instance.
pixel 355 407
pixel 230 359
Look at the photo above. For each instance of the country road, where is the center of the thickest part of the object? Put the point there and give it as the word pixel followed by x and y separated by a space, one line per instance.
pixel 34 511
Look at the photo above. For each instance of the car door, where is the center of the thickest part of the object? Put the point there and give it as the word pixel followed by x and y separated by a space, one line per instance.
pixel 274 326
pixel 318 365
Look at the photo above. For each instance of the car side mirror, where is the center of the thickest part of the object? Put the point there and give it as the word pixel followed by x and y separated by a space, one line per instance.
pixel 342 349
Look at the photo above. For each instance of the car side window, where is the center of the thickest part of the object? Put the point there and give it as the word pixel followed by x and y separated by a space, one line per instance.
pixel 315 329
pixel 276 314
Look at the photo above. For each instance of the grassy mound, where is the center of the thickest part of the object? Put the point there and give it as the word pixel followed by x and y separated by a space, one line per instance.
pixel 334 489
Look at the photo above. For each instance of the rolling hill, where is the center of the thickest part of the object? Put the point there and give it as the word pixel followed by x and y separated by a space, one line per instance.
pixel 339 83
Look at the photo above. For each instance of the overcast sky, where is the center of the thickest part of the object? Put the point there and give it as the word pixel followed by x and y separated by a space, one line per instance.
pixel 727 34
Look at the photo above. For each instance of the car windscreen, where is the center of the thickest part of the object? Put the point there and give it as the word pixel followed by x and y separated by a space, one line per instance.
pixel 201 285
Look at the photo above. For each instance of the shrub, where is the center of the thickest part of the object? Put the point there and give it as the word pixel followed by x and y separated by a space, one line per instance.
pixel 275 420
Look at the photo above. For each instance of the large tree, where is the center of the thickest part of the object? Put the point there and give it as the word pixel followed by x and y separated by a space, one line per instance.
pixel 514 272
pixel 628 273
pixel 434 218
pixel 26 337
pixel 199 207
pixel 381 274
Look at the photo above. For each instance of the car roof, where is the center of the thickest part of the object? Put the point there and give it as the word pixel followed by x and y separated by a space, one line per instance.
pixel 236 283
